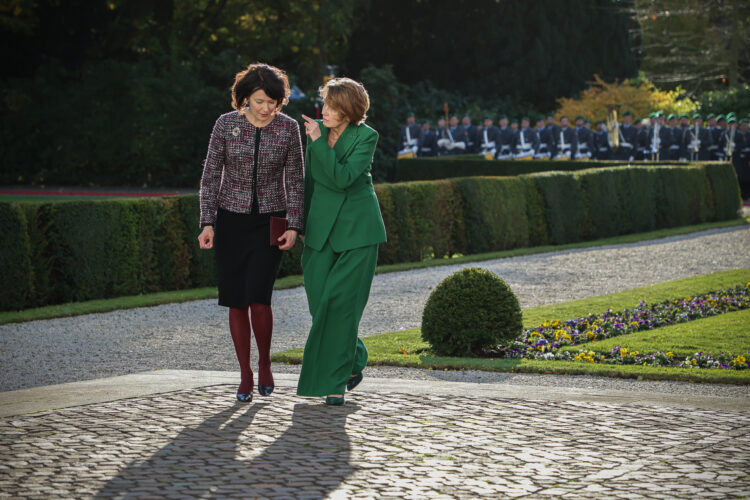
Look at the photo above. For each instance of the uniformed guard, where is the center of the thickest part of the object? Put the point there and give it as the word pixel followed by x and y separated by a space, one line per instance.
pixel 585 140
pixel 427 141
pixel 567 143
pixel 505 140
pixel 641 140
pixel 684 126
pixel 409 138
pixel 601 148
pixel 714 151
pixel 470 134
pixel 544 151
pixel 628 138
pixel 488 139
pixel 554 131
pixel 450 139
pixel 526 143
pixel 664 137
pixel 718 136
pixel 696 140
pixel 459 136
pixel 444 138
pixel 674 134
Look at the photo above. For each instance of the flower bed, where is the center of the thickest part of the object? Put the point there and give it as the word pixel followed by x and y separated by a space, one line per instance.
pixel 546 340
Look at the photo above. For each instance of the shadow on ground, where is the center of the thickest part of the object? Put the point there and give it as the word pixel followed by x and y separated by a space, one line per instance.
pixel 225 456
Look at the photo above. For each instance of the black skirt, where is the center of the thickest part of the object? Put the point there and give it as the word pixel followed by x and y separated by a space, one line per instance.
pixel 246 262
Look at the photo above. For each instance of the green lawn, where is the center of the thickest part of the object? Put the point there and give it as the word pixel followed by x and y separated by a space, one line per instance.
pixel 727 332
pixel 44 198
pixel 406 348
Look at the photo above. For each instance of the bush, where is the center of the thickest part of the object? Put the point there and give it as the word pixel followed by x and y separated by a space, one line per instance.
pixel 469 312
pixel 563 206
pixel 81 250
pixel 725 190
pixel 15 264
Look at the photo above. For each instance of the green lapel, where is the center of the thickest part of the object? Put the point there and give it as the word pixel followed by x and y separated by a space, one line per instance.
pixel 345 141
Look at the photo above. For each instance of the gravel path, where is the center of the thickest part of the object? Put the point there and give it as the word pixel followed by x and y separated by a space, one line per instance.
pixel 194 335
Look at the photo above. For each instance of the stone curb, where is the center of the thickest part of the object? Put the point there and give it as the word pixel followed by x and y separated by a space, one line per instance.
pixel 101 390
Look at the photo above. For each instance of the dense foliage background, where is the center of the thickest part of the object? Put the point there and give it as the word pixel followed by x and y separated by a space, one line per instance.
pixel 126 91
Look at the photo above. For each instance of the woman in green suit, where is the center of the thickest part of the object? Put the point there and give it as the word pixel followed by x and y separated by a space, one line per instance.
pixel 343 228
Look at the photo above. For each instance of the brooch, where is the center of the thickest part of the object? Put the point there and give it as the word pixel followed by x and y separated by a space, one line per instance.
pixel 236 131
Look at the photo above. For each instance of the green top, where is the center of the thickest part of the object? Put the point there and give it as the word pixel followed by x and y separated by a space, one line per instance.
pixel 340 202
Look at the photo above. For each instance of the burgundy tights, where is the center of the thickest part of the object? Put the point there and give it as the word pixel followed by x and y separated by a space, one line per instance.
pixel 239 326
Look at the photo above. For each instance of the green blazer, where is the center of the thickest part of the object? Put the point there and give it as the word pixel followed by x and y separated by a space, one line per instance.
pixel 340 202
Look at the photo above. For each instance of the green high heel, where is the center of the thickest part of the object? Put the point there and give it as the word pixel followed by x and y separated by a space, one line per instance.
pixel 334 400
pixel 354 381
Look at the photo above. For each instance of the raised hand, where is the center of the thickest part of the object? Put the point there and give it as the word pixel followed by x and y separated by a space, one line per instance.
pixel 312 129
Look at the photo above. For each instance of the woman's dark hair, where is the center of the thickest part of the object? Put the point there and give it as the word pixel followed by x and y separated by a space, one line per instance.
pixel 259 76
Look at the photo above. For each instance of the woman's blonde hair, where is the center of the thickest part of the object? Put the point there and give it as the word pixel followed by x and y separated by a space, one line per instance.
pixel 348 97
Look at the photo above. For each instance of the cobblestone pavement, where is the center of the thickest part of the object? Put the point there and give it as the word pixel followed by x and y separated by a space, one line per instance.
pixel 194 335
pixel 201 443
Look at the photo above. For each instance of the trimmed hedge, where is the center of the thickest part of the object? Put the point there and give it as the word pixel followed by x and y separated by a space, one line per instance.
pixel 448 167
pixel 498 213
pixel 59 252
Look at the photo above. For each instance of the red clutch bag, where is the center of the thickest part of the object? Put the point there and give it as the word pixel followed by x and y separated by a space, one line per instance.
pixel 278 227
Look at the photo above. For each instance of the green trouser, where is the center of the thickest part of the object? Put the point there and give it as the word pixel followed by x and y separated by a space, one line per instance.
pixel 337 287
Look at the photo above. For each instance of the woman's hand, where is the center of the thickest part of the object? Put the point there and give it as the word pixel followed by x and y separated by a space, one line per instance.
pixel 206 238
pixel 312 129
pixel 286 240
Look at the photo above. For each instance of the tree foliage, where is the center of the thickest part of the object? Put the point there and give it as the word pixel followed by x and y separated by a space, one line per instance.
pixel 638 95
pixel 532 52
pixel 698 44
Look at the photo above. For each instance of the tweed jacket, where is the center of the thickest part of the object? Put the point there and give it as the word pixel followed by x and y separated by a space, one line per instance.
pixel 227 180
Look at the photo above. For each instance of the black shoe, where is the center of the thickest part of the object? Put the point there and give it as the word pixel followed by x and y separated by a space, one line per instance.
pixel 245 397
pixel 334 400
pixel 265 390
pixel 354 381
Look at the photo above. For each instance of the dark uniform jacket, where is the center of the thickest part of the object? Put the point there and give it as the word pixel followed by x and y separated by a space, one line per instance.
pixel 427 143
pixel 505 141
pixel 471 136
pixel 601 149
pixel 546 141
pixel 643 145
pixel 628 142
pixel 568 137
pixel 493 135
pixel 414 131
pixel 716 149
pixel 531 139
pixel 585 140
pixel 688 144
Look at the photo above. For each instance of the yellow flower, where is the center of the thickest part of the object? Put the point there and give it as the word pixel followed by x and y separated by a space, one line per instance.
pixel 739 361
pixel 623 352
pixel 693 362
pixel 669 354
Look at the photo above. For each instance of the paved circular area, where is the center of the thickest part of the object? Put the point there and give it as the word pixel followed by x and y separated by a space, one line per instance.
pixel 194 335
pixel 201 443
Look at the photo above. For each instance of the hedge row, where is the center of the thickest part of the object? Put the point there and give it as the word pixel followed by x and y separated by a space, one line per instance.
pixel 59 252
pixel 481 214
pixel 448 167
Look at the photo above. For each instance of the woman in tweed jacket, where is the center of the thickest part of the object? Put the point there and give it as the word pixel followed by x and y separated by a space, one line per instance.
pixel 254 170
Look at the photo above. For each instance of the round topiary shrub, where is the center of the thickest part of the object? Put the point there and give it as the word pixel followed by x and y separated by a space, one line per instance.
pixel 469 311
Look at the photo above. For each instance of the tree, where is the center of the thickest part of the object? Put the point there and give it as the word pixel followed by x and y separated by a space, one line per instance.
pixel 698 44
pixel 532 52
